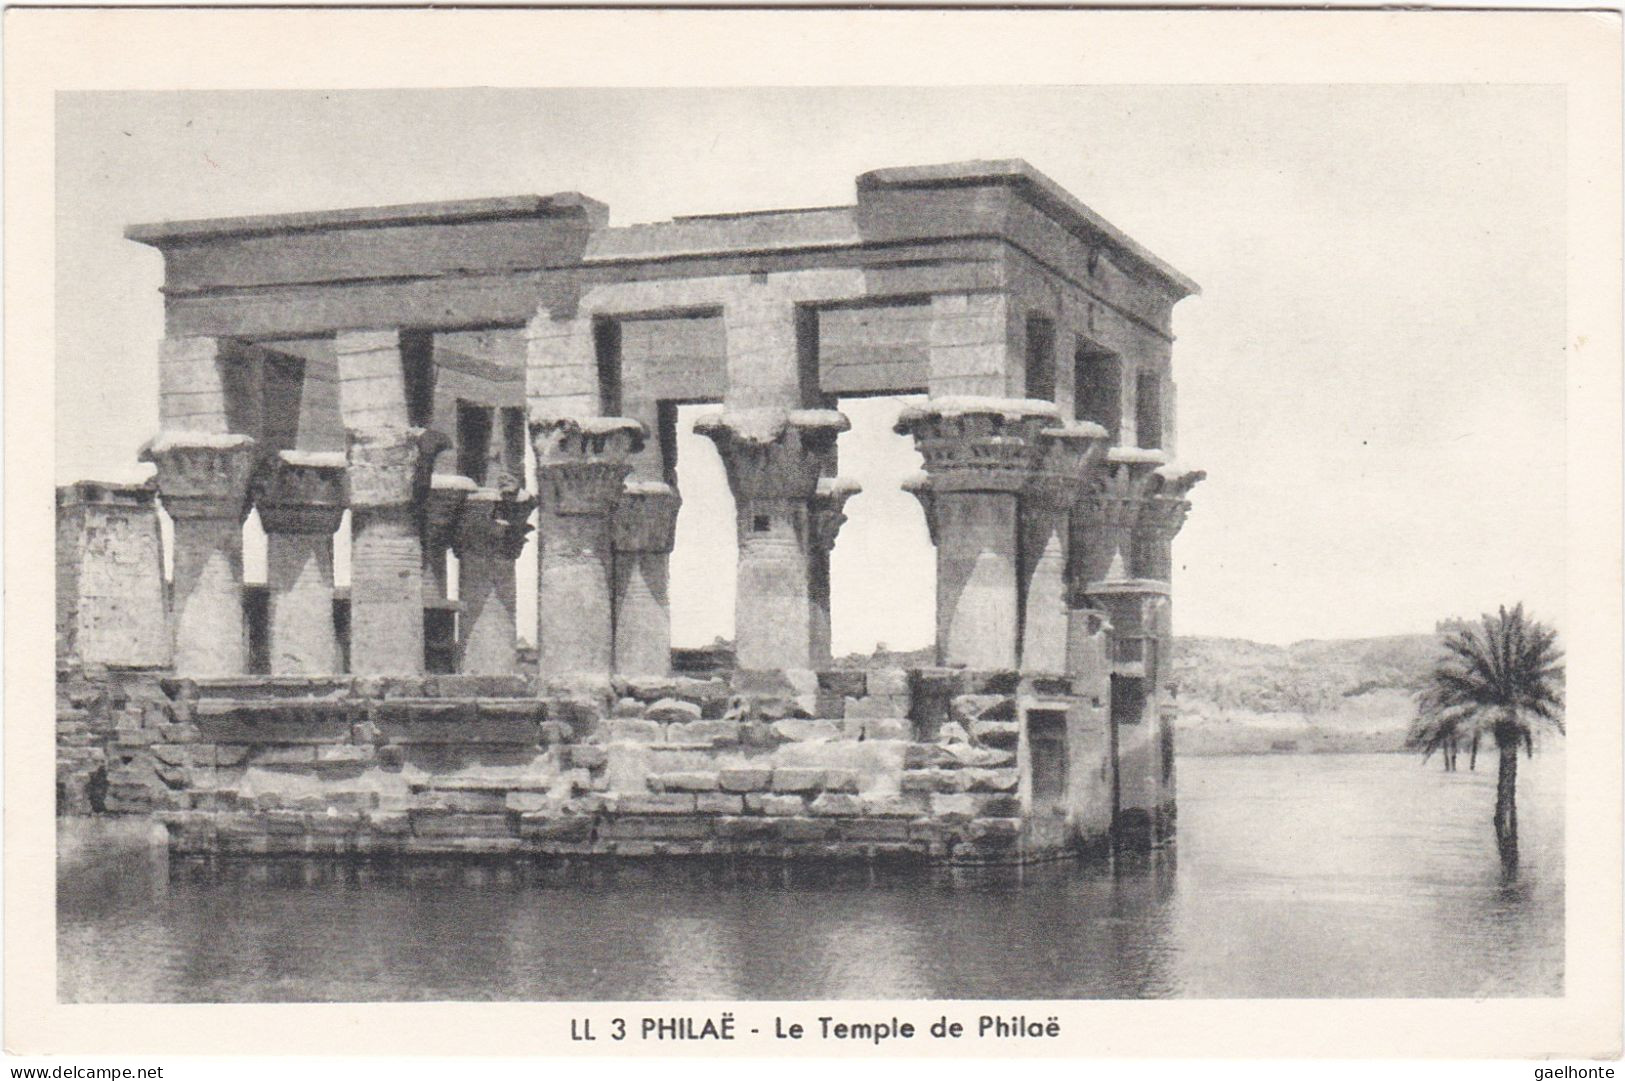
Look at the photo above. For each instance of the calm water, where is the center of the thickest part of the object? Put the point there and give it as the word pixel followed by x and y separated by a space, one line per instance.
pixel 1296 876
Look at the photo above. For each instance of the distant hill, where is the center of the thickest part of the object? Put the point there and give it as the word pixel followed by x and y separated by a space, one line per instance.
pixel 1351 694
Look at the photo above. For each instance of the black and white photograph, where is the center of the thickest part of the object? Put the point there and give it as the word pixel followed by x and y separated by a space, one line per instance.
pixel 1035 541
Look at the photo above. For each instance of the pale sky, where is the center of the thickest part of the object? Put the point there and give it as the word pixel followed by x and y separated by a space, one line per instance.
pixel 1373 376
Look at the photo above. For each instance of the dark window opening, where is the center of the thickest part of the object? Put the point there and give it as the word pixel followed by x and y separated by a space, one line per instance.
pixel 341 630
pixel 1097 389
pixel 1046 747
pixel 513 443
pixel 1041 358
pixel 606 342
pixel 1148 410
pixel 666 421
pixel 440 640
pixel 812 395
pixel 417 372
pixel 1128 700
pixel 1165 741
pixel 473 440
pixel 761 524
pixel 257 620
pixel 284 390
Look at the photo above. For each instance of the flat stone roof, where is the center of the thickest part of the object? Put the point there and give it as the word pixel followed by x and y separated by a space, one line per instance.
pixel 458 210
pixel 1046 194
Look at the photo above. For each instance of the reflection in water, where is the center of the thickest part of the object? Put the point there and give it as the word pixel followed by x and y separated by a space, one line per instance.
pixel 1337 875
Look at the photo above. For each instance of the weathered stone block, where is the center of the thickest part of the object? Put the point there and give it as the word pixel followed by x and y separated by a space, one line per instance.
pixel 757 803
pixel 970 708
pixel 806 829
pixel 346 754
pixel 430 824
pixel 585 756
pixel 796 730
pixel 952 780
pixel 909 806
pixel 704 733
pixel 746 829
pixel 998 806
pixel 925 756
pixel 841 780
pixel 526 802
pixel 877 829
pixel 1001 734
pixel 467 802
pixel 587 805
pixel 847 682
pixel 879 728
pixel 694 781
pixel 832 803
pixel 993 780
pixel 544 825
pixel 719 803
pixel 953 807
pixel 661 803
pixel 892 682
pixel 627 708
pixel 744 779
pixel 666 828
pixel 964 754
pixel 393 823
pixel 667 710
pixel 797 780
pixel 918 780
pixel 636 731
pixel 284 756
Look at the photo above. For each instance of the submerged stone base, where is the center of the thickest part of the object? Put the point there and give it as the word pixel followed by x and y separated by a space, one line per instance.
pixel 931 765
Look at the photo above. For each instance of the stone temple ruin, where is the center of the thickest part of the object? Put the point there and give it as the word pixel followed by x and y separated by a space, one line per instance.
pixel 389 369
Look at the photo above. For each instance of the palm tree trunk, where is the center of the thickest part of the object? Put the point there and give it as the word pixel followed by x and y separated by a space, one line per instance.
pixel 1506 793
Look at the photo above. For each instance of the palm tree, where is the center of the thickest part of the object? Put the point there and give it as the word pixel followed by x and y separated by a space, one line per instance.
pixel 1498 679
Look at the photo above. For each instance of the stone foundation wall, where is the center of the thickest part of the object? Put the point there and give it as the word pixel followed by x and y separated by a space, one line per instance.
pixel 929 765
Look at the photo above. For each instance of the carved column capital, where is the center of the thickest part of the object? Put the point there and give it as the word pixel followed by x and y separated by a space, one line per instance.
pixel 645 519
pixel 979 444
pixel 774 453
pixel 582 462
pixel 202 475
pixel 1165 503
pixel 301 492
pixel 1068 459
pixel 444 507
pixel 828 509
pixel 1115 494
pixel 493 524
pixel 389 467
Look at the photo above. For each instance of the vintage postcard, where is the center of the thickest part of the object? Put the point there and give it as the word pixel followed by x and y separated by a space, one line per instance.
pixel 762 532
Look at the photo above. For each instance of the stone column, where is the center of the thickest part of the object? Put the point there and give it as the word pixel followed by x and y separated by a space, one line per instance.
pixel 1069 454
pixel 301 499
pixel 980 455
pixel 581 464
pixel 203 480
pixel 110 576
pixel 1105 578
pixel 387 483
pixel 774 459
pixel 828 515
pixel 490 533
pixel 1162 515
pixel 645 528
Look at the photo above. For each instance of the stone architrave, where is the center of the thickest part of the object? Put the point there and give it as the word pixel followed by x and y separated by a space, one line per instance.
pixel 980 455
pixel 1069 455
pixel 581 464
pixel 645 529
pixel 490 533
pixel 388 481
pixel 301 497
pixel 203 480
pixel 774 460
pixel 828 515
